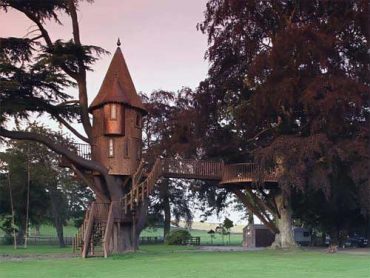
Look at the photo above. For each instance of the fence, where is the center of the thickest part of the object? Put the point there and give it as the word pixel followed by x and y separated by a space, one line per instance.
pixel 194 240
pixel 51 240
pixel 38 240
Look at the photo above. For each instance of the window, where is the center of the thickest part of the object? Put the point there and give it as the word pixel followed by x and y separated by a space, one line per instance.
pixel 113 111
pixel 126 149
pixel 110 148
pixel 306 234
pixel 138 120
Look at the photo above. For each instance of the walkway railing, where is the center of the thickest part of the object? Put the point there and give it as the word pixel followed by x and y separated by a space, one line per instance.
pixel 192 169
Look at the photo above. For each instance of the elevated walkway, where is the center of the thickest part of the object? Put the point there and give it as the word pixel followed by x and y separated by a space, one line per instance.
pixel 99 219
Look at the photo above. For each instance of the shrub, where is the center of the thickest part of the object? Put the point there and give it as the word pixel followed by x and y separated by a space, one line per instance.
pixel 178 237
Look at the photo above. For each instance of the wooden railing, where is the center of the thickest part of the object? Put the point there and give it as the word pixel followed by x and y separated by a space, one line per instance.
pixel 143 189
pixel 240 172
pixel 83 150
pixel 192 169
pixel 246 172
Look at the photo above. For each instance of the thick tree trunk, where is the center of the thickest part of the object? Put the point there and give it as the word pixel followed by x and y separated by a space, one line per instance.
pixel 123 238
pixel 126 235
pixel 166 208
pixel 284 239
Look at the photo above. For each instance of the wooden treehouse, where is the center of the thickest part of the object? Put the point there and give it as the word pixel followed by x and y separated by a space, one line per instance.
pixel 117 144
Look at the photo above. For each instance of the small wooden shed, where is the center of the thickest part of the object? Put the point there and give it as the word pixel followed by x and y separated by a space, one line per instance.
pixel 257 235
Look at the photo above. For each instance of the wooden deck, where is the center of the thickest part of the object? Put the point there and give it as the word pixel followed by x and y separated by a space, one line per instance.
pixel 198 169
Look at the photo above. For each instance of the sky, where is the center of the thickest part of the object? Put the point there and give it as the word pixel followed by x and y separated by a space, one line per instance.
pixel 160 42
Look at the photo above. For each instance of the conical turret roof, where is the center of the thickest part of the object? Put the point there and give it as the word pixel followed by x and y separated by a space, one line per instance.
pixel 117 86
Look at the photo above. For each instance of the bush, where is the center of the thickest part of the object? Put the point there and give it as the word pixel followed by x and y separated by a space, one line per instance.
pixel 178 237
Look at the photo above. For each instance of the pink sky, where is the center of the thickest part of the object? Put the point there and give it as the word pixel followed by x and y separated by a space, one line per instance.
pixel 160 42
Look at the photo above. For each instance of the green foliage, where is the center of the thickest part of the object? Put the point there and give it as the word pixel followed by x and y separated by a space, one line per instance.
pixel 290 82
pixel 54 193
pixel 228 224
pixel 177 237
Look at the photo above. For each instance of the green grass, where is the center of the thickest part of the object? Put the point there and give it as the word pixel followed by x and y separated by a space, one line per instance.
pixel 49 230
pixel 173 261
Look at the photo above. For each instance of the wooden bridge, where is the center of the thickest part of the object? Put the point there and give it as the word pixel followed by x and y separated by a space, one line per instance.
pixel 99 218
pixel 200 169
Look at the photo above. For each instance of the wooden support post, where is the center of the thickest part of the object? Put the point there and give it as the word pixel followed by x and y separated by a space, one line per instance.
pixel 88 231
pixel 108 230
pixel 133 229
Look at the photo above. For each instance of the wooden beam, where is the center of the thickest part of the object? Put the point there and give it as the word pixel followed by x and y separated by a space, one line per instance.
pixel 88 231
pixel 247 202
pixel 108 230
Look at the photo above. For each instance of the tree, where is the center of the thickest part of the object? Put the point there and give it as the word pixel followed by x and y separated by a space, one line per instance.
pixel 228 224
pixel 296 75
pixel 34 74
pixel 167 135
pixel 52 190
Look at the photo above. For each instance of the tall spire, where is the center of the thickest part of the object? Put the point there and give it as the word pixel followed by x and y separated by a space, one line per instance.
pixel 117 86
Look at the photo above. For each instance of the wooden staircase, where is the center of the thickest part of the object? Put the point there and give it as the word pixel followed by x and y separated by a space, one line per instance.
pixel 89 239
pixel 94 235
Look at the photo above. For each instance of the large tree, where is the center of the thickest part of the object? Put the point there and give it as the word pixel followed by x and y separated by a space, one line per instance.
pixel 38 187
pixel 292 78
pixel 35 72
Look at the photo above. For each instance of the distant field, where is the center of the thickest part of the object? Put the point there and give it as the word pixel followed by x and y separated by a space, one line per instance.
pixel 162 261
pixel 235 238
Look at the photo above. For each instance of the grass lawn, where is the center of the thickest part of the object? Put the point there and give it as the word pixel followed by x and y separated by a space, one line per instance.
pixel 170 261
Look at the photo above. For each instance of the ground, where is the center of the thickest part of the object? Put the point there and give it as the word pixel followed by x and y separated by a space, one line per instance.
pixel 171 261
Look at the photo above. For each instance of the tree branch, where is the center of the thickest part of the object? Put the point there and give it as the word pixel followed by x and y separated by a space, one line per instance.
pixel 80 77
pixel 72 129
pixel 81 80
pixel 98 191
pixel 245 200
pixel 58 148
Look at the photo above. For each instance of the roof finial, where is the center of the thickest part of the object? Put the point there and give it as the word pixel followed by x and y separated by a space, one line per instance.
pixel 118 42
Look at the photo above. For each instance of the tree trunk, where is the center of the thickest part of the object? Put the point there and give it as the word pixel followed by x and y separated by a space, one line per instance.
pixel 284 239
pixel 37 230
pixel 166 208
pixel 57 210
pixel 126 235
pixel 123 238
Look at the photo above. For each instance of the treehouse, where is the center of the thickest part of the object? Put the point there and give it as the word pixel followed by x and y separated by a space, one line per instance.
pixel 117 120
pixel 117 112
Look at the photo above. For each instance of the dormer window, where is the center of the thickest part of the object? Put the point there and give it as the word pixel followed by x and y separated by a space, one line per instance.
pixel 113 111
